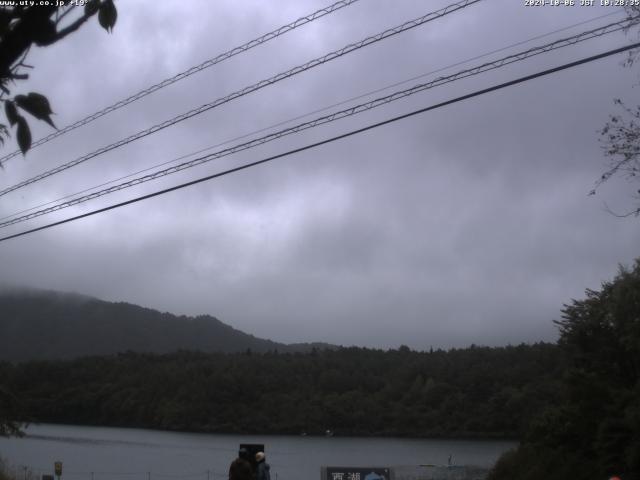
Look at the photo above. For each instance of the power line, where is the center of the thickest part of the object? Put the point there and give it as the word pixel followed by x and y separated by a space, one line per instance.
pixel 182 75
pixel 357 109
pixel 252 88
pixel 323 109
pixel 331 139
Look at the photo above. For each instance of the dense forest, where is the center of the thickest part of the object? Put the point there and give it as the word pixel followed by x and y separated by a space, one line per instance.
pixel 473 392
pixel 575 406
pixel 594 430
pixel 37 324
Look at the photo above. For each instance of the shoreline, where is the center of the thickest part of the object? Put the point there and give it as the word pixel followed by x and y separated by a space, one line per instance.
pixel 478 438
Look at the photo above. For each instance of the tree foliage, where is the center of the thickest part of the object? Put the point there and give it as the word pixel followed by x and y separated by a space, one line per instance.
pixel 594 432
pixel 620 137
pixel 473 392
pixel 23 26
pixel 9 413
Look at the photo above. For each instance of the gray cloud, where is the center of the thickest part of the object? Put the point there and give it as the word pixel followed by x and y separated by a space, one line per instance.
pixel 469 224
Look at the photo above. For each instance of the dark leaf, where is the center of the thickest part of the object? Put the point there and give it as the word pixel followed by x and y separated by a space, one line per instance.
pixel 37 105
pixel 107 15
pixel 44 32
pixel 23 135
pixel 11 111
pixel 5 19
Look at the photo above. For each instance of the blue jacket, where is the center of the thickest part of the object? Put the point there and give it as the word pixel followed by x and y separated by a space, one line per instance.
pixel 263 471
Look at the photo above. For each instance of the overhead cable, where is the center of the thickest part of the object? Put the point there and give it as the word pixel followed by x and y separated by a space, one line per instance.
pixel 354 110
pixel 252 88
pixel 331 139
pixel 182 75
pixel 304 115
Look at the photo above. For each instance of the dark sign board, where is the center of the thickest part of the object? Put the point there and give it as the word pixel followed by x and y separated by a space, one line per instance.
pixel 356 473
pixel 47 477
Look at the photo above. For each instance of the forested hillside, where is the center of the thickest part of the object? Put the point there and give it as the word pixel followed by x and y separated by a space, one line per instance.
pixel 479 392
pixel 594 430
pixel 38 324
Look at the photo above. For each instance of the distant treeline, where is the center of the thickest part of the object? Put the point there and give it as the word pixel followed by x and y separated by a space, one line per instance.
pixel 472 392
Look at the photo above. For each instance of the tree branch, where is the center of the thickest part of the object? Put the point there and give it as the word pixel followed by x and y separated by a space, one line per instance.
pixel 635 212
pixel 72 27
pixel 20 38
pixel 64 14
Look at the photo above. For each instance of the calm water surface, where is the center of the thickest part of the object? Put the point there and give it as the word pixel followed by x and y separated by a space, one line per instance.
pixel 134 454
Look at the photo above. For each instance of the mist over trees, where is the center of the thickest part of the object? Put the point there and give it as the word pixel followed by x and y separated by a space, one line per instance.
pixel 39 325
pixel 575 405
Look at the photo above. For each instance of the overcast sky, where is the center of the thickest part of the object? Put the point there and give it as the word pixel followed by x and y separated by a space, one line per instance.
pixel 467 224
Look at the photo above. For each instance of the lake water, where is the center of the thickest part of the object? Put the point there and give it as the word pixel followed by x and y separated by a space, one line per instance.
pixel 100 453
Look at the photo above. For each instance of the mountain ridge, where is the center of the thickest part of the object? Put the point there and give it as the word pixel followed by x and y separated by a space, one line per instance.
pixel 47 324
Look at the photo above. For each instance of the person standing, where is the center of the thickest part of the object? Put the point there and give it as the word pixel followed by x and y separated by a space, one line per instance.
pixel 263 467
pixel 240 469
